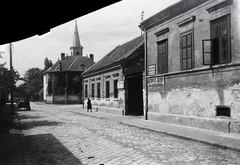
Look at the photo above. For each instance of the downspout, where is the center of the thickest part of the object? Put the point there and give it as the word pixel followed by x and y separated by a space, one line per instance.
pixel 83 91
pixel 66 89
pixel 123 79
pixel 146 84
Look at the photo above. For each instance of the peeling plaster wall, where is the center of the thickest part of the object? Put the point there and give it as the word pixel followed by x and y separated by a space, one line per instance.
pixel 195 93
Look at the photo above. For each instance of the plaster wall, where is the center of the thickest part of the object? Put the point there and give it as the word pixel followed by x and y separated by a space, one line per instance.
pixel 195 93
pixel 45 80
pixel 111 102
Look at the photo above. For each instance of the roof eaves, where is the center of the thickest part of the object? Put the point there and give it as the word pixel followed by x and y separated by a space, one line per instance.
pixel 170 12
pixel 102 70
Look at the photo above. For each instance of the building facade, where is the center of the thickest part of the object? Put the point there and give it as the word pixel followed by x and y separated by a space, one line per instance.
pixel 110 82
pixel 192 59
pixel 62 83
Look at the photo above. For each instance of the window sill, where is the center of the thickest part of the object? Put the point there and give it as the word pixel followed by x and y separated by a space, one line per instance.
pixel 116 99
pixel 107 99
pixel 98 98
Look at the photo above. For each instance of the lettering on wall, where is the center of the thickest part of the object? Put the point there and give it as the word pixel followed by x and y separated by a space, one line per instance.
pixel 151 70
pixel 156 81
pixel 120 85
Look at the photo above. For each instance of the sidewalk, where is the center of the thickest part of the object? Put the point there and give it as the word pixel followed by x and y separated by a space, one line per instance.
pixel 225 140
pixel 11 152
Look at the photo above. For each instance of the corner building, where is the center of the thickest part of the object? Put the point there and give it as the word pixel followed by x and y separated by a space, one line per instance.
pixel 192 58
pixel 115 83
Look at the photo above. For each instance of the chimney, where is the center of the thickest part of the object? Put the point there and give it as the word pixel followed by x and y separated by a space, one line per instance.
pixel 91 57
pixel 62 56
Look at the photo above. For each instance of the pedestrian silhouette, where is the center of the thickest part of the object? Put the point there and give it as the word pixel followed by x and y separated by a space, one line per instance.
pixel 89 105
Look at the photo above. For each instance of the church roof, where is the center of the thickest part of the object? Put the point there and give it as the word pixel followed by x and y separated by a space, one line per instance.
pixel 71 64
pixel 116 55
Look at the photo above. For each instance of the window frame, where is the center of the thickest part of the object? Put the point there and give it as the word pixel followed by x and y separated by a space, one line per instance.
pixel 160 54
pixel 186 47
pixel 93 90
pixel 115 89
pixel 213 40
pixel 216 56
pixel 107 89
pixel 98 90
pixel 86 90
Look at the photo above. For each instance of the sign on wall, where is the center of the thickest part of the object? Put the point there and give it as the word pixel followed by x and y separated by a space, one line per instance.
pixel 156 81
pixel 151 70
pixel 120 85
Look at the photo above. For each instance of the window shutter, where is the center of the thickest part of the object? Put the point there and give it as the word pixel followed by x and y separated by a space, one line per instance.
pixel 207 52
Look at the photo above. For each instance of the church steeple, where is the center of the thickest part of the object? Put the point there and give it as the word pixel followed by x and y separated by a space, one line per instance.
pixel 76 48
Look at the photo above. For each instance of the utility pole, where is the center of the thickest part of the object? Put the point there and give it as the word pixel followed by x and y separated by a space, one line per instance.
pixel 11 79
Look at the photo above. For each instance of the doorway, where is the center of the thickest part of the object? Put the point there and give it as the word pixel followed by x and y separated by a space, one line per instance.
pixel 134 95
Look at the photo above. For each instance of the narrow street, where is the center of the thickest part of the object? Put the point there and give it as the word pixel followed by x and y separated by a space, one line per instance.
pixel 58 134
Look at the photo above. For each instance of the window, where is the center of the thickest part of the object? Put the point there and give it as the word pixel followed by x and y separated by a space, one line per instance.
pixel 115 89
pixel 187 50
pixel 49 87
pixel 86 91
pixel 107 89
pixel 217 49
pixel 93 90
pixel 98 90
pixel 162 56
pixel 219 36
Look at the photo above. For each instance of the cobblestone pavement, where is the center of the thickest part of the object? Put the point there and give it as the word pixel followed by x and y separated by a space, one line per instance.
pixel 59 135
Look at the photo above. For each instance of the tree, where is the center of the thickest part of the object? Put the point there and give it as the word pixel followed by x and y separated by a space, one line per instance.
pixel 33 83
pixel 5 78
pixel 47 64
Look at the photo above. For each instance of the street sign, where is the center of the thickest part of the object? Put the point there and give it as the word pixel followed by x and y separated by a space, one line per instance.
pixel 120 85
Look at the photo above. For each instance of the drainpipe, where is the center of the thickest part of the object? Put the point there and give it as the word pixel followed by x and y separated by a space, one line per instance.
pixel 146 84
pixel 83 92
pixel 66 89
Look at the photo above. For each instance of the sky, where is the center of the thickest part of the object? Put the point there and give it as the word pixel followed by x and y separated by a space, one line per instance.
pixel 100 32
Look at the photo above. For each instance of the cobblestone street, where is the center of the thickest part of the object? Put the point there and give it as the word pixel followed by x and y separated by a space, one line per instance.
pixel 58 134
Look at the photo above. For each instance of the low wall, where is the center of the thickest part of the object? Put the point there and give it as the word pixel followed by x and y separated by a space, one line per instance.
pixel 220 124
pixel 49 100
pixel 110 110
pixel 71 99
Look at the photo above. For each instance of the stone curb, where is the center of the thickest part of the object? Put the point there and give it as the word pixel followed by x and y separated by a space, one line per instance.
pixel 168 133
pixel 183 137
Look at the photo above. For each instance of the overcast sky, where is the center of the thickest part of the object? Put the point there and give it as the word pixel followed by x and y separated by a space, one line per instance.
pixel 100 32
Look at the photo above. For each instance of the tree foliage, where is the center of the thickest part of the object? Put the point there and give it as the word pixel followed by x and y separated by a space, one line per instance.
pixel 47 64
pixel 33 83
pixel 6 80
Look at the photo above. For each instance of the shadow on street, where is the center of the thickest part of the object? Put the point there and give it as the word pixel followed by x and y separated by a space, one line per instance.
pixel 48 150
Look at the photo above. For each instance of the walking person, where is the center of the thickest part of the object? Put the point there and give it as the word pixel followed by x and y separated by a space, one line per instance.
pixel 89 105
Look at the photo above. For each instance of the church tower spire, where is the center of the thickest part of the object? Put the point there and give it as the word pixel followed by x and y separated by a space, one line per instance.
pixel 76 48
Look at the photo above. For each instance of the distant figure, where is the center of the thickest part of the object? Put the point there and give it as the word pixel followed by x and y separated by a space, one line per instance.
pixel 89 105
pixel 27 104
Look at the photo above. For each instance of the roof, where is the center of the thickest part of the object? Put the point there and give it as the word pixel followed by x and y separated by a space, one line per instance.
pixel 171 12
pixel 71 64
pixel 116 55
